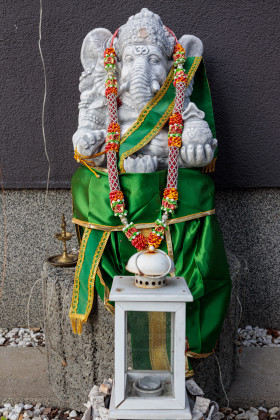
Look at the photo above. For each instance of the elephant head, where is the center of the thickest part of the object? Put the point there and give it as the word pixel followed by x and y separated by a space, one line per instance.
pixel 143 70
pixel 144 48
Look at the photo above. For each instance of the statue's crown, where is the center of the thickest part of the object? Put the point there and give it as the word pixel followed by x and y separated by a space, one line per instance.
pixel 145 28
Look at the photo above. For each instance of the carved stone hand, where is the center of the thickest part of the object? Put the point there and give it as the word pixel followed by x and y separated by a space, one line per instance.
pixel 88 141
pixel 140 164
pixel 198 144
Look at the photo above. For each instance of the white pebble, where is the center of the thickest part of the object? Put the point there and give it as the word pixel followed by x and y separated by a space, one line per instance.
pixel 28 414
pixel 242 416
pixel 254 410
pixel 15 330
pixel 2 340
pixel 13 416
pixel 17 408
pixel 103 412
pixel 73 413
pixel 248 328
pixel 273 410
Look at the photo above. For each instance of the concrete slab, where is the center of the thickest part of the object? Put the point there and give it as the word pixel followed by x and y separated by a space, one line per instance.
pixel 258 379
pixel 24 377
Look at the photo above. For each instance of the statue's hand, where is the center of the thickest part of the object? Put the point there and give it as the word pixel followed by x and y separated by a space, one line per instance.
pixel 198 144
pixel 197 154
pixel 140 164
pixel 88 141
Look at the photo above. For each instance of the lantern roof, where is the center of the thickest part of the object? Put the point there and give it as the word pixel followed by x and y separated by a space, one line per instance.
pixel 123 289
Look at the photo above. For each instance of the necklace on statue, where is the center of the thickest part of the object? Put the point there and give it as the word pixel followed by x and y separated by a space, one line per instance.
pixel 170 195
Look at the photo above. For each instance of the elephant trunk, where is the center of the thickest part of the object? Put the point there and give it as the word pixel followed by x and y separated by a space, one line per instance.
pixel 142 87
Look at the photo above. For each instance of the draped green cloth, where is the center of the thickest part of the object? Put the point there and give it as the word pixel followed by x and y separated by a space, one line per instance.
pixel 193 238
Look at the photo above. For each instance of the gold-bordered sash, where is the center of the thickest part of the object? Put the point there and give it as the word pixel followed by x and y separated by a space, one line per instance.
pixel 119 228
pixel 141 128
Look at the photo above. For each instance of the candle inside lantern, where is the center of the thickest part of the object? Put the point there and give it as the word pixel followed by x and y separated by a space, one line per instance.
pixel 148 387
pixel 148 383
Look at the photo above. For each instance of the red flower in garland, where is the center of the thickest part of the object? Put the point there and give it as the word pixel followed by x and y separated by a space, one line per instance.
pixel 112 147
pixel 116 195
pixel 140 242
pixel 176 118
pixel 174 141
pixel 114 128
pixel 171 193
pixel 154 240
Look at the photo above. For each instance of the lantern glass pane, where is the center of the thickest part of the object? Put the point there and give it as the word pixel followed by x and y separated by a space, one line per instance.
pixel 149 350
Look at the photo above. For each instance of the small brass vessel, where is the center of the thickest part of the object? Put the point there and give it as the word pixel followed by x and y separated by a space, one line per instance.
pixel 65 259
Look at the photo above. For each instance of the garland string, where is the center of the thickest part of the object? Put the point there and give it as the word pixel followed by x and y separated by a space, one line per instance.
pixel 112 145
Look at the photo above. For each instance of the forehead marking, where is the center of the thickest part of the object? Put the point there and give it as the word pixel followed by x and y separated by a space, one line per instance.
pixel 140 49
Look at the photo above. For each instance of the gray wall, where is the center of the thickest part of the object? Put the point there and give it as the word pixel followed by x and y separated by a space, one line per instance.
pixel 241 40
pixel 249 220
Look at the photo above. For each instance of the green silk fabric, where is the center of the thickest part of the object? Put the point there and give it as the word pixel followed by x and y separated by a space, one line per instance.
pixel 143 194
pixel 199 254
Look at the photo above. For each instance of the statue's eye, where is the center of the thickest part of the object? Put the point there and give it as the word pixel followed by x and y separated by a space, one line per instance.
pixel 128 59
pixel 154 59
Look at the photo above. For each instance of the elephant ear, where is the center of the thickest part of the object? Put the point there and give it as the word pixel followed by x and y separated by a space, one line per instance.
pixel 193 45
pixel 94 46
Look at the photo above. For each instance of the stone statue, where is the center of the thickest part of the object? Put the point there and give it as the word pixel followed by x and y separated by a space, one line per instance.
pixel 144 51
pixel 155 191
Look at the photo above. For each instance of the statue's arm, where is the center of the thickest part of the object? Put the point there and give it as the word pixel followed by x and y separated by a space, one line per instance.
pixel 91 132
pixel 90 135
pixel 198 144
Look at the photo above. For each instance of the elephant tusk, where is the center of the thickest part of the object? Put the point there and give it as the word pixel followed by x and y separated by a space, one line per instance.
pixel 124 87
pixel 155 86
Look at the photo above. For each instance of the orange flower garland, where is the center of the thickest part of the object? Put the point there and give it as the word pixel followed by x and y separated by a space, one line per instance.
pixel 170 195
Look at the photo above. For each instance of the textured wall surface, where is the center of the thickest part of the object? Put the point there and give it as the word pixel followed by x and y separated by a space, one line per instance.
pixel 249 220
pixel 75 362
pixel 31 225
pixel 241 40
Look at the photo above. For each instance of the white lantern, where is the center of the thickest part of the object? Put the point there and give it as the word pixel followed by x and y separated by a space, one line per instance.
pixel 153 393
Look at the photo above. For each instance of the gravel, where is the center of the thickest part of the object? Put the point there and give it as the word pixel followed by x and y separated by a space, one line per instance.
pixel 258 337
pixel 247 337
pixel 36 412
pixel 253 413
pixel 22 337
pixel 98 403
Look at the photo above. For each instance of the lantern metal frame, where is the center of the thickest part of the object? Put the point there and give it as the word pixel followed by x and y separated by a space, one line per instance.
pixel 171 298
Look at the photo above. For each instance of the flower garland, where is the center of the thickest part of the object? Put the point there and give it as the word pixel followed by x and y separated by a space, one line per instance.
pixel 170 195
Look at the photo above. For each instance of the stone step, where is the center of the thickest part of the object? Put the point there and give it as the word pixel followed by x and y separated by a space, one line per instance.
pixel 257 378
pixel 24 377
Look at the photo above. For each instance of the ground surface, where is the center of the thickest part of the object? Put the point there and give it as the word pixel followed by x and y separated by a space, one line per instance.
pixel 24 378
pixel 258 378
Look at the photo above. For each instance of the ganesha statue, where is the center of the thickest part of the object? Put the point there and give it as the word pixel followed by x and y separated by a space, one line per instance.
pixel 144 49
pixel 146 143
